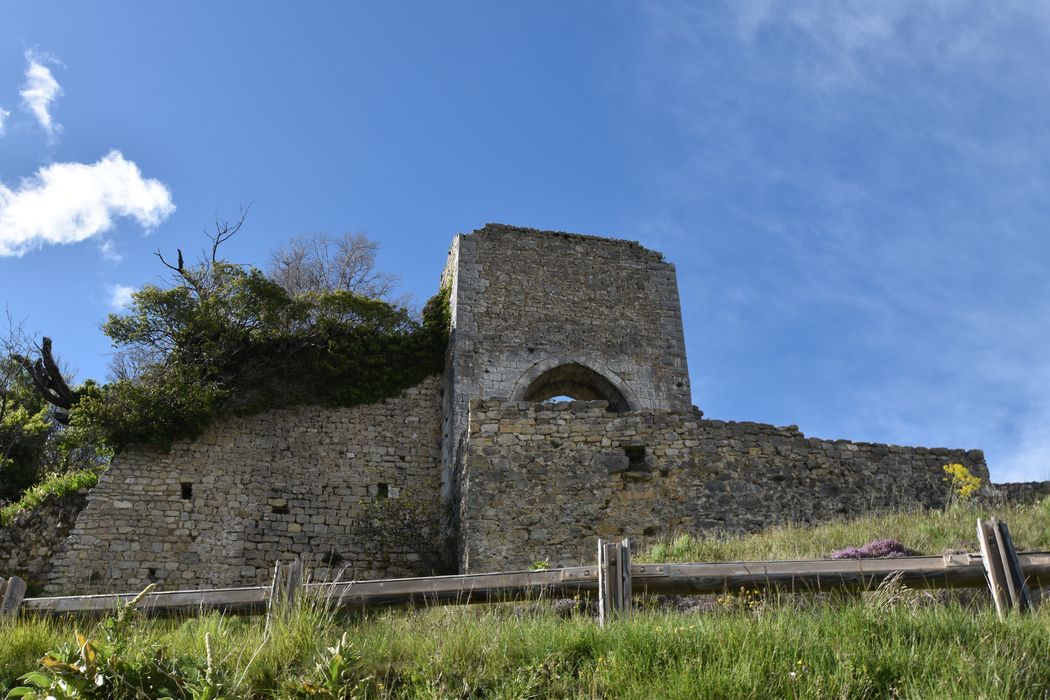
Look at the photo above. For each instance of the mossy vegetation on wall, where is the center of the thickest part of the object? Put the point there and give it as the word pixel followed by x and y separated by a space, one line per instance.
pixel 250 347
pixel 226 339
pixel 215 340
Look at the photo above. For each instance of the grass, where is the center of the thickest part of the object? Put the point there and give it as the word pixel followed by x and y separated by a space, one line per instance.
pixel 929 532
pixel 890 643
pixel 56 485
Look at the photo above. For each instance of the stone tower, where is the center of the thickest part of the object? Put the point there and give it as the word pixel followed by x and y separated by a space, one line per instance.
pixel 539 314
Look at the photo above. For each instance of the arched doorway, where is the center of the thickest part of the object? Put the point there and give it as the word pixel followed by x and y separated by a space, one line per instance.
pixel 576 381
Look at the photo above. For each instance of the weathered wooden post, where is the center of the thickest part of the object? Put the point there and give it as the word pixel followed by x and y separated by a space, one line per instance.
pixel 1002 567
pixel 625 574
pixel 293 581
pixel 614 579
pixel 1013 564
pixel 11 594
pixel 276 593
pixel 287 579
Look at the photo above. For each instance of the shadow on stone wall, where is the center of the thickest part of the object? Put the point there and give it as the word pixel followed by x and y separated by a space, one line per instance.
pixel 28 543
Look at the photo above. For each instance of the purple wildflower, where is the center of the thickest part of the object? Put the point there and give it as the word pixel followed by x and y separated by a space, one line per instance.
pixel 878 548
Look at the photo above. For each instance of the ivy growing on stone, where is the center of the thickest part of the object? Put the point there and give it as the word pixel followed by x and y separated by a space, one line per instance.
pixel 225 339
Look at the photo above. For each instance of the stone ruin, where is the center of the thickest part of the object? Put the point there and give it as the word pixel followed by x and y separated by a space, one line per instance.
pixel 477 470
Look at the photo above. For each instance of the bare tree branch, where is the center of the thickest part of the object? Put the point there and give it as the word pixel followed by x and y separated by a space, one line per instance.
pixel 47 378
pixel 224 231
pixel 198 276
pixel 319 262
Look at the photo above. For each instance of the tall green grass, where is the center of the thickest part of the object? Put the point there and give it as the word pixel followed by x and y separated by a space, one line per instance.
pixel 891 643
pixel 928 532
pixel 853 649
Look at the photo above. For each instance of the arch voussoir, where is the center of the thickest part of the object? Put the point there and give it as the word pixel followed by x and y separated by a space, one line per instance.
pixel 579 378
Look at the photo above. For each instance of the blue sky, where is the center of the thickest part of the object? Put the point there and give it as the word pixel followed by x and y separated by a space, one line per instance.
pixel 854 193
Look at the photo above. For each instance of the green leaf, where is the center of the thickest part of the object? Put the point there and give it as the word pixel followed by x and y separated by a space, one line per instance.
pixel 36 678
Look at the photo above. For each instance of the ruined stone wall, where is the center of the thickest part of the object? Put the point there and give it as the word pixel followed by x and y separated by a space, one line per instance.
pixel 354 487
pixel 30 540
pixel 1020 491
pixel 526 301
pixel 543 482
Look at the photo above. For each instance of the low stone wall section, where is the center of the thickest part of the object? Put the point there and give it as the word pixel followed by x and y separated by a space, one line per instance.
pixel 355 489
pixel 541 482
pixel 1021 491
pixel 30 540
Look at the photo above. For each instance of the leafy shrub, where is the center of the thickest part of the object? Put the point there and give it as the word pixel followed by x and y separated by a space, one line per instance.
pixel 57 485
pixel 228 340
pixel 25 428
pixel 408 523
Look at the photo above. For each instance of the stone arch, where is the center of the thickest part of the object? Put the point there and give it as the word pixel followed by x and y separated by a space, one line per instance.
pixel 584 380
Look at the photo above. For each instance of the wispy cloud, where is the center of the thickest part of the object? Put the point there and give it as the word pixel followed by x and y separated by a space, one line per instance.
pixel 109 251
pixel 71 202
pixel 875 172
pixel 4 114
pixel 120 296
pixel 40 90
pixel 849 43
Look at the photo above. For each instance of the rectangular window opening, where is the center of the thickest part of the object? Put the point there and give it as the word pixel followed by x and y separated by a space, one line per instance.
pixel 382 492
pixel 187 490
pixel 635 457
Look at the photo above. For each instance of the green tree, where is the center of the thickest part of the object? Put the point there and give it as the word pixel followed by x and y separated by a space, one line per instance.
pixel 224 338
pixel 25 426
pixel 35 441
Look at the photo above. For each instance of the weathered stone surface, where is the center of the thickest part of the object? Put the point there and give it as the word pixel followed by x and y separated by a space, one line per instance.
pixel 29 541
pixel 1021 491
pixel 697 476
pixel 219 510
pixel 526 303
pixel 535 314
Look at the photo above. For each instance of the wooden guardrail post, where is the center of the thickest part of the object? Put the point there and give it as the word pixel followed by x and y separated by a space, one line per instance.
pixel 1002 568
pixel 276 597
pixel 625 573
pixel 287 580
pixel 293 581
pixel 614 579
pixel 1024 601
pixel 12 592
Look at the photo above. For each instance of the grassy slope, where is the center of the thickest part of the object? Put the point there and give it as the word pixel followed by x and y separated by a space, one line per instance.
pixel 933 532
pixel 869 646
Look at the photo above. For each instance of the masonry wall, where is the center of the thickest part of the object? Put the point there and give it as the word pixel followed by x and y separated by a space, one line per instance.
pixel 524 301
pixel 543 482
pixel 354 488
pixel 1020 491
pixel 30 540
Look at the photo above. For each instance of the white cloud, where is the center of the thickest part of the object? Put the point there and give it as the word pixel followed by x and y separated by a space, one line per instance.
pixel 72 202
pixel 39 91
pixel 4 114
pixel 109 251
pixel 120 296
